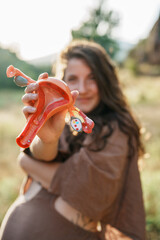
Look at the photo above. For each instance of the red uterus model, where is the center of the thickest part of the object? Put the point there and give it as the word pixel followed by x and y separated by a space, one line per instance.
pixel 53 96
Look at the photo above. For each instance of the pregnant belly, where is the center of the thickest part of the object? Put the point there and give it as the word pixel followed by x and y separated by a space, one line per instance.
pixel 33 216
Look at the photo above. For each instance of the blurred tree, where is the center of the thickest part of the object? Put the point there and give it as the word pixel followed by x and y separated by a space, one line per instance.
pixel 99 27
pixel 145 55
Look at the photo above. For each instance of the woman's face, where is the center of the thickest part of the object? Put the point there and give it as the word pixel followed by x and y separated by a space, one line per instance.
pixel 79 76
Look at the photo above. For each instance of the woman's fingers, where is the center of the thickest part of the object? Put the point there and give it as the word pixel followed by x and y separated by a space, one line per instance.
pixel 28 97
pixel 32 87
pixel 74 94
pixel 27 110
pixel 31 96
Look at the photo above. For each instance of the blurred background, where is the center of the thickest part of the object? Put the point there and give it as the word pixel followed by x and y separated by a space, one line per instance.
pixel 32 33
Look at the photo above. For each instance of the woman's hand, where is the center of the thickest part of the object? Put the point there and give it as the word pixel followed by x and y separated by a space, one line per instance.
pixel 44 146
pixel 113 233
pixel 53 127
pixel 74 216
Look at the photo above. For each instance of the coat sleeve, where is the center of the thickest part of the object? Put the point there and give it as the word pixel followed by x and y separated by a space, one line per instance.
pixel 91 181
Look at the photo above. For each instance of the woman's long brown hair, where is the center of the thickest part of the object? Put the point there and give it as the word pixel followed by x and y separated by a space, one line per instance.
pixel 113 105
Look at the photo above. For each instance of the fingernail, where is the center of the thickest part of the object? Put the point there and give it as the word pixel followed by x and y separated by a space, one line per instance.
pixel 34 85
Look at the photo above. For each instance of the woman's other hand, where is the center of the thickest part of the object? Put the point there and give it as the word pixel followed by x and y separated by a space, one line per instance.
pixel 41 172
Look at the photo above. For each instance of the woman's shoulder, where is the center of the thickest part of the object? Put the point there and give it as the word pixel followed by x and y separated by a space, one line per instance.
pixel 117 136
pixel 112 133
pixel 116 131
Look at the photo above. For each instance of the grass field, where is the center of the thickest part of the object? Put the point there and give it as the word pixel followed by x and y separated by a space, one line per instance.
pixel 143 95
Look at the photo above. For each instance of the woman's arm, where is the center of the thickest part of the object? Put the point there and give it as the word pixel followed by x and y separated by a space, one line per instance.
pixel 45 144
pixel 41 172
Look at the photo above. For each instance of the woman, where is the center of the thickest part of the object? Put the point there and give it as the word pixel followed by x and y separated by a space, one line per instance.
pixel 85 186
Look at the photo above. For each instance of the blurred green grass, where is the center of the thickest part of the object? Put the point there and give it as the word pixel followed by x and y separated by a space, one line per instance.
pixel 143 95
pixel 11 123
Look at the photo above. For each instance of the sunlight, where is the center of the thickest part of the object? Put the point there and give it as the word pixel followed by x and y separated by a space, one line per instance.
pixel 36 29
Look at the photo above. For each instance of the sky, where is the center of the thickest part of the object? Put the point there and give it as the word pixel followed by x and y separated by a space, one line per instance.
pixel 37 28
